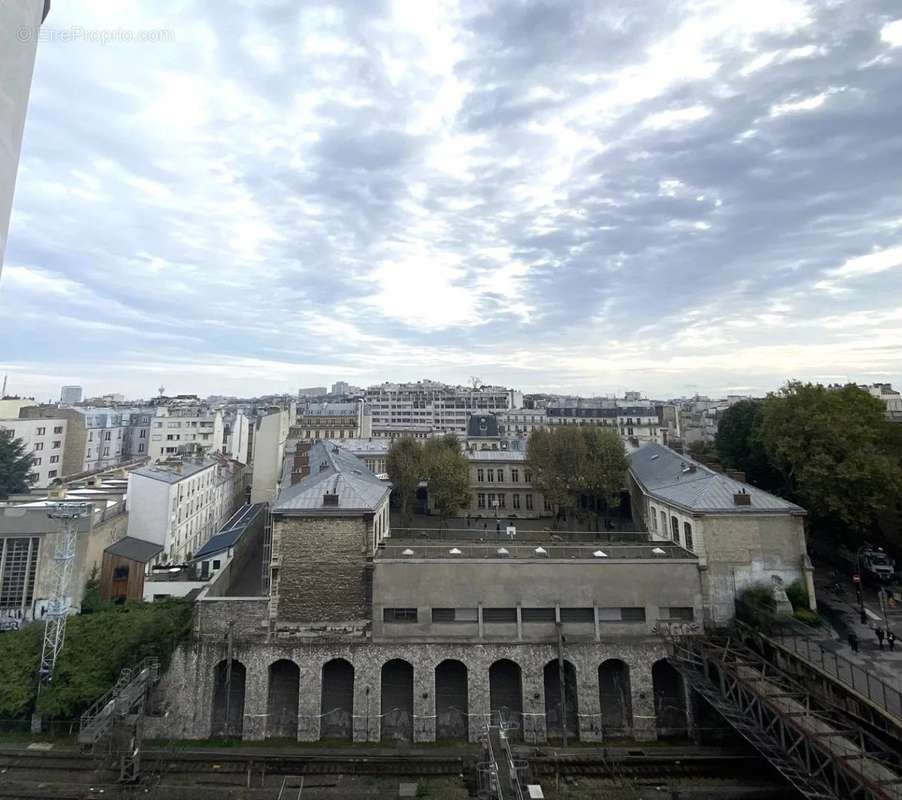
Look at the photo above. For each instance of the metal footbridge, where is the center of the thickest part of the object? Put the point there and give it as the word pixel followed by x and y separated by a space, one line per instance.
pixel 805 722
pixel 112 725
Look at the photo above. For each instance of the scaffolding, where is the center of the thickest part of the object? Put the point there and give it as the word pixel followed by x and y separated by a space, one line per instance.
pixel 59 605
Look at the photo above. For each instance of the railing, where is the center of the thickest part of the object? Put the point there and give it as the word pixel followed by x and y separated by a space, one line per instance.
pixel 99 717
pixel 600 551
pixel 787 633
pixel 492 534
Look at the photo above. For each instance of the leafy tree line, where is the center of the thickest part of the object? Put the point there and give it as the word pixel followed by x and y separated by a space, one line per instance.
pixel 15 465
pixel 577 461
pixel 440 463
pixel 98 646
pixel 831 450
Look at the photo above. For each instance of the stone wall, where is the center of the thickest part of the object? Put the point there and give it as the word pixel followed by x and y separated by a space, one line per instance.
pixel 184 698
pixel 323 573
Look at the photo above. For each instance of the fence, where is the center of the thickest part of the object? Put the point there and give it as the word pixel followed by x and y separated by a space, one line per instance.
pixel 788 634
pixel 492 534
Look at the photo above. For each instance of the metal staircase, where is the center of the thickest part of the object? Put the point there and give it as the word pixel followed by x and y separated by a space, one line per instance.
pixel 114 721
pixel 818 747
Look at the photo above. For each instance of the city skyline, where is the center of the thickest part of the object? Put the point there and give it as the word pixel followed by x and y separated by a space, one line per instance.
pixel 562 197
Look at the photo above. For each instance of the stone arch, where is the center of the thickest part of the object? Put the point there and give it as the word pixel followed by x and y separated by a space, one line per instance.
pixel 506 696
pixel 554 712
pixel 615 698
pixel 670 700
pixel 397 700
pixel 229 679
pixel 451 703
pixel 282 699
pixel 337 700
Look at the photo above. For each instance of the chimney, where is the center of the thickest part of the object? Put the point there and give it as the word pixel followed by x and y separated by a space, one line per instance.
pixel 56 490
pixel 742 498
pixel 330 499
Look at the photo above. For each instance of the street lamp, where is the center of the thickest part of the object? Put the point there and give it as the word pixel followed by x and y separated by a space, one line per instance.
pixel 859 588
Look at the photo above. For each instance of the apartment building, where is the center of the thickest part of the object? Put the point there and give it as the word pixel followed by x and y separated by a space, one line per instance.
pixel 96 438
pixel 44 440
pixel 342 420
pixel 269 432
pixel 70 395
pixel 180 504
pixel 418 409
pixel 889 397
pixel 10 406
pixel 179 426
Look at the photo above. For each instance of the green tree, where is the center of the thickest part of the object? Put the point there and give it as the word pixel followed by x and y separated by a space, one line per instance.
pixel 15 465
pixel 830 446
pixel 447 472
pixel 405 469
pixel 739 446
pixel 556 459
pixel 606 465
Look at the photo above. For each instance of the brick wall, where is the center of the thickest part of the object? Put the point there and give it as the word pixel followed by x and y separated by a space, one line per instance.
pixel 325 572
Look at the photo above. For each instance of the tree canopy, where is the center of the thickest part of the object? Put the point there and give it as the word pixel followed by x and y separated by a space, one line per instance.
pixel 405 469
pixel 575 460
pixel 739 446
pixel 15 465
pixel 447 472
pixel 830 446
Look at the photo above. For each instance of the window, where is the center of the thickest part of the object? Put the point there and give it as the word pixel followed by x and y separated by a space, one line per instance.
pixel 88 454
pixel 547 506
pixel 35 462
pixel 106 451
pixel 141 447
pixel 491 475
pixel 38 446
pixel 527 476
pixel 500 476
pixel 142 434
pixel 480 475
pixel 663 524
pixel 40 431
pixel 502 501
pixel 455 615
pixel 90 436
pixel 515 476
pixel 499 615
pixel 687 531
pixel 537 614
pixel 516 501
pixel 677 613
pixel 626 614
pixel 54 459
pixel 52 473
pixel 653 515
pixel 675 529
pixel 529 502
pixel 107 436
pixel 216 563
pixel 399 615
pixel 492 500
pixel 480 500
pixel 18 566
pixel 57 445
pixel 578 615
pixel 120 573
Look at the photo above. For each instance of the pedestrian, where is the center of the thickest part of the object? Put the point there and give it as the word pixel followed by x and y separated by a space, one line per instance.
pixel 891 640
pixel 880 634
pixel 853 641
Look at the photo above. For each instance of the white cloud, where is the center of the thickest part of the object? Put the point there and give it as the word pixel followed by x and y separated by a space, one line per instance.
pixel 675 118
pixel 891 33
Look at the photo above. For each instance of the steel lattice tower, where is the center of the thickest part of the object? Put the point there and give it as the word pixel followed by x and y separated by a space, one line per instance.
pixel 59 604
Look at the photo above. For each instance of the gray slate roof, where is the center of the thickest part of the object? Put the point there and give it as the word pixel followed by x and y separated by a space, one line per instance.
pixel 665 474
pixel 334 471
pixel 481 426
pixel 231 532
pixel 135 549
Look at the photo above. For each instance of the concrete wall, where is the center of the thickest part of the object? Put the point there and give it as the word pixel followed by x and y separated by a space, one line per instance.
pixel 149 502
pixel 746 549
pixel 322 573
pixel 524 583
pixel 270 434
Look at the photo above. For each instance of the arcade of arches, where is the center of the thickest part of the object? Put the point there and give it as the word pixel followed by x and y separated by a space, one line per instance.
pixel 424 694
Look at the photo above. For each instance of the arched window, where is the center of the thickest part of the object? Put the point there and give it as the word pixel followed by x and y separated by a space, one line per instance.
pixel 687 531
pixel 675 529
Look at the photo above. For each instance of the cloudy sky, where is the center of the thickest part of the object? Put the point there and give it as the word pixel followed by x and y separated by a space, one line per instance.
pixel 675 197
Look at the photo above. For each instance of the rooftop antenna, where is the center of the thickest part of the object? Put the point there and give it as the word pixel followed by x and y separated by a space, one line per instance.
pixel 59 604
pixel 3 393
